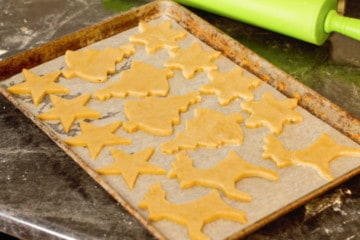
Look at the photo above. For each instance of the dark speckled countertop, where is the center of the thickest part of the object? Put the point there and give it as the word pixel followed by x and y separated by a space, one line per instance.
pixel 45 195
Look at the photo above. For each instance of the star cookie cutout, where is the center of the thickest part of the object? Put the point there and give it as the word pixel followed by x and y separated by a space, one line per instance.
pixel 210 129
pixel 140 80
pixel 157 37
pixel 231 85
pixel 94 65
pixel 96 138
pixel 38 86
pixel 223 176
pixel 271 112
pixel 130 166
pixel 192 60
pixel 68 110
pixel 156 115
pixel 318 155
pixel 192 215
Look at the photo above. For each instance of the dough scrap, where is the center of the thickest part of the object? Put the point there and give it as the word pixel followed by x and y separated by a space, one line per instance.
pixel 209 128
pixel 157 37
pixel 94 65
pixel 96 138
pixel 140 80
pixel 38 86
pixel 318 155
pixel 231 85
pixel 271 112
pixel 68 110
pixel 130 166
pixel 192 215
pixel 223 176
pixel 192 60
pixel 156 115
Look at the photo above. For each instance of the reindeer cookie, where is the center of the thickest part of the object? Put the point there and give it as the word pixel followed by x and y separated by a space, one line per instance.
pixel 192 215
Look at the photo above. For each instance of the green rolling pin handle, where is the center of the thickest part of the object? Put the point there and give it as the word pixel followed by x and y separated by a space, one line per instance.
pixel 345 25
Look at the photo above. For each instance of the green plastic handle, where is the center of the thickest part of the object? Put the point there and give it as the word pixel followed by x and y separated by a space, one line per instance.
pixel 347 26
pixel 308 20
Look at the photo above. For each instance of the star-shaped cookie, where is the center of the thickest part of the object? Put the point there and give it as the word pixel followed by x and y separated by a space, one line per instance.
pixel 94 65
pixel 38 86
pixel 271 112
pixel 192 60
pixel 130 166
pixel 96 138
pixel 318 155
pixel 157 37
pixel 68 110
pixel 231 85
pixel 140 80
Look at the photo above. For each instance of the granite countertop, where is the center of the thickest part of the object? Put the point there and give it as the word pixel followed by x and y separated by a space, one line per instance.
pixel 44 194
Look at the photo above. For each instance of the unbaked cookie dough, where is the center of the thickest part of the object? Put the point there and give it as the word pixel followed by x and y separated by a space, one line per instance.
pixel 192 215
pixel 223 176
pixel 140 80
pixel 94 65
pixel 39 86
pixel 192 59
pixel 209 128
pixel 156 115
pixel 230 85
pixel 68 110
pixel 130 166
pixel 96 138
pixel 158 36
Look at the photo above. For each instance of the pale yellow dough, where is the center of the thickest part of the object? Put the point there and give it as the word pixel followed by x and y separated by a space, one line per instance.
pixel 158 36
pixel 96 138
pixel 209 128
pixel 156 115
pixel 68 110
pixel 193 215
pixel 192 60
pixel 318 155
pixel 39 86
pixel 140 80
pixel 230 85
pixel 94 65
pixel 223 176
pixel 130 166
pixel 271 112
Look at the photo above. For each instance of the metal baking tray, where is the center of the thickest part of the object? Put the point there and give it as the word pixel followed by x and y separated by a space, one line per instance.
pixel 322 114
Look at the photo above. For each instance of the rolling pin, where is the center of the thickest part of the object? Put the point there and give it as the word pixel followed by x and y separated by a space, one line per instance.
pixel 308 20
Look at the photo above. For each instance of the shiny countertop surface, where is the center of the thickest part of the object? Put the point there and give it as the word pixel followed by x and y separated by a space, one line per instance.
pixel 45 195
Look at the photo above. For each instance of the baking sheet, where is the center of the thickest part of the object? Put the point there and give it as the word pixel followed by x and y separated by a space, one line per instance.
pixel 269 199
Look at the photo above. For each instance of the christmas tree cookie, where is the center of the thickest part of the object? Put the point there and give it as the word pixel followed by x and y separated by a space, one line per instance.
pixel 209 128
pixel 156 115
pixel 140 80
pixel 94 65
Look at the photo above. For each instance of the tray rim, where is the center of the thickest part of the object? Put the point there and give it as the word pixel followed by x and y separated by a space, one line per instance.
pixel 230 48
